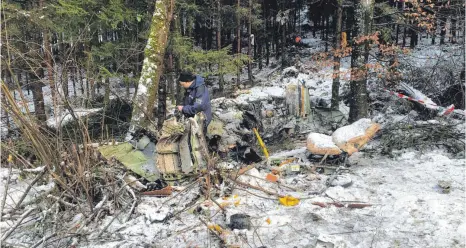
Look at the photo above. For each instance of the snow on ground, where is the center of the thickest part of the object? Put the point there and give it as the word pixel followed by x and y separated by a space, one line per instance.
pixel 409 210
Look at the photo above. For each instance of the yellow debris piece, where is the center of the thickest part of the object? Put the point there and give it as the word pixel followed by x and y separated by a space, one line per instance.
pixel 10 158
pixel 237 203
pixel 268 220
pixel 288 201
pixel 216 228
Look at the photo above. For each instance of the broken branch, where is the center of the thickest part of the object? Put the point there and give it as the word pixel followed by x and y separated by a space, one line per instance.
pixel 28 189
pixel 341 205
pixel 44 239
pixel 254 187
pixel 23 216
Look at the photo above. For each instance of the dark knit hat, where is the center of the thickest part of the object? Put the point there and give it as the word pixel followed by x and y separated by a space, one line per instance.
pixel 186 76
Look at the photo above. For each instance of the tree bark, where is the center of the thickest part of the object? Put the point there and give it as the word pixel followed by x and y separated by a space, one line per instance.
pixel 81 82
pixel 336 57
pixel 404 37
pixel 238 42
pixel 413 38
pixel 73 79
pixel 221 83
pixel 453 30
pixel 152 69
pixel 327 30
pixel 434 31
pixel 64 81
pixel 107 93
pixel 49 65
pixel 443 29
pixel 249 43
pixel 397 34
pixel 38 98
pixel 359 99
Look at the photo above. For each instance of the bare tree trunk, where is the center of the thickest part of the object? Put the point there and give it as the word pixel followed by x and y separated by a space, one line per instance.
pixel 327 29
pixel 249 43
pixel 221 82
pixel 38 97
pixel 49 64
pixel 404 37
pixel 89 81
pixel 64 81
pixel 107 93
pixel 267 48
pixel 359 99
pixel 73 79
pixel 443 29
pixel 81 82
pixel 148 85
pixel 282 45
pixel 453 30
pixel 238 41
pixel 413 38
pixel 434 31
pixel 336 57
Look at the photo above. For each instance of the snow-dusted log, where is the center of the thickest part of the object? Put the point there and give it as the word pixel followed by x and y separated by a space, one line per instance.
pixel 146 96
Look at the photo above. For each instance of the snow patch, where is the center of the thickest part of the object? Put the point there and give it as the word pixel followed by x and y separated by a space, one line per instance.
pixel 67 117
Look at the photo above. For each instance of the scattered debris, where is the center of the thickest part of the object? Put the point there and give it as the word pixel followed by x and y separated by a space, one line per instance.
pixel 288 201
pixel 240 221
pixel 167 191
pixel 353 137
pixel 445 186
pixel 416 96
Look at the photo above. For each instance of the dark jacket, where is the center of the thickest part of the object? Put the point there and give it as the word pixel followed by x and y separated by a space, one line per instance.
pixel 196 99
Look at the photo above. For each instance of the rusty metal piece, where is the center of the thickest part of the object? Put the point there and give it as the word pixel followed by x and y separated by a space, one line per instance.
pixel 159 192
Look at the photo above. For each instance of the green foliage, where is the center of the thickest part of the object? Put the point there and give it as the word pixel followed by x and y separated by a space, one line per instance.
pixel 207 63
pixel 386 34
pixel 215 62
pixel 115 13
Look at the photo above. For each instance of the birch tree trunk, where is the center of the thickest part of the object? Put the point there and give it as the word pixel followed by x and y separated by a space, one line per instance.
pixel 336 57
pixel 152 69
pixel 249 43
pixel 363 14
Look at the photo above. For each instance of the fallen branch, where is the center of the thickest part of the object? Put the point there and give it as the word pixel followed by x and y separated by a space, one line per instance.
pixel 18 204
pixel 95 212
pixel 255 187
pixel 23 216
pixel 44 239
pixel 220 206
pixel 35 170
pixel 341 205
pixel 5 192
pixel 212 231
pixel 68 204
pixel 109 223
pixel 188 187
pixel 134 202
